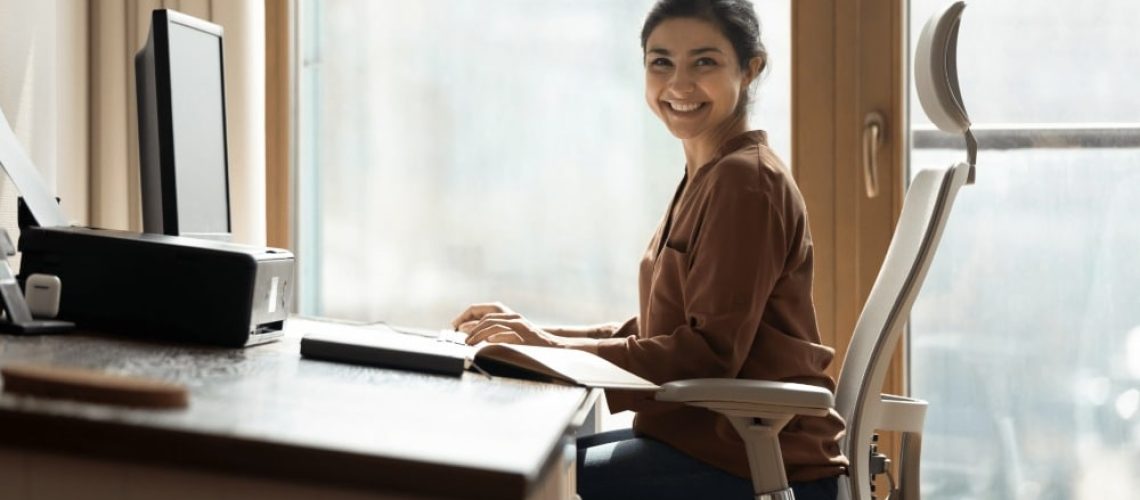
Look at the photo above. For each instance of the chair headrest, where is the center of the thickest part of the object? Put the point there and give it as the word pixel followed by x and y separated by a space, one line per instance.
pixel 936 70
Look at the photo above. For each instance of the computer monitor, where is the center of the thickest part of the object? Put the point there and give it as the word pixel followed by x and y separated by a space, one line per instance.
pixel 182 128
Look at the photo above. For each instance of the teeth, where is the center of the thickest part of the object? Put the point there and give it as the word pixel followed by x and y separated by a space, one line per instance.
pixel 684 108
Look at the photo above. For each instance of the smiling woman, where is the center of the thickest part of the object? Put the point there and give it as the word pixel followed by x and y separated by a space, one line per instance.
pixel 725 284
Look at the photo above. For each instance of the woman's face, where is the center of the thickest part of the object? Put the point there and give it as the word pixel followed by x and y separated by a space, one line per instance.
pixel 693 81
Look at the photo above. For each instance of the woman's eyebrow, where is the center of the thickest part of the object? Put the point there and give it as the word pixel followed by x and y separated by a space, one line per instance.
pixel 702 50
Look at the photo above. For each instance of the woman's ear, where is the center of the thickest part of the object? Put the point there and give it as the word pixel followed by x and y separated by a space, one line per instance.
pixel 755 66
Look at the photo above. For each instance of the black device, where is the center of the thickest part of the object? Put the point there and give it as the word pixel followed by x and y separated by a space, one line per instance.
pixel 163 287
pixel 386 349
pixel 183 155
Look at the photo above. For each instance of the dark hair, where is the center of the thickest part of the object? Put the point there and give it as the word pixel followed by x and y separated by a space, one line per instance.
pixel 736 20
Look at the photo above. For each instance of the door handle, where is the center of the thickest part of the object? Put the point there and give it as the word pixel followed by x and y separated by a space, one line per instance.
pixel 872 139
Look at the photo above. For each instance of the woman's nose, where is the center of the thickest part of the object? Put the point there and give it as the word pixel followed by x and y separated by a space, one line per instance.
pixel 681 83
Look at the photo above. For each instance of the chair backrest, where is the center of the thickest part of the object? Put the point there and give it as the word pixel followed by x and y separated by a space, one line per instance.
pixel 924 214
pixel 925 211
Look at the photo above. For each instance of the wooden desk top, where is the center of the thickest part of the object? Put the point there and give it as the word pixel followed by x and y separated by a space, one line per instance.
pixel 265 411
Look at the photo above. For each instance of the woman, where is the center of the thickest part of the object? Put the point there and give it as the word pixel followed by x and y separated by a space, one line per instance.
pixel 725 285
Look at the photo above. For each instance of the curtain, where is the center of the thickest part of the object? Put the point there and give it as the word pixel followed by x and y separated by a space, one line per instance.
pixel 118 30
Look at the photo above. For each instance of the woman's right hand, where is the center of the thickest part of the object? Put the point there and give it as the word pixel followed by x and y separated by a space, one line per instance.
pixel 475 313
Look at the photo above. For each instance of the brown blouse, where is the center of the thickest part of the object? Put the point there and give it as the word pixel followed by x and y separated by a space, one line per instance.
pixel 725 292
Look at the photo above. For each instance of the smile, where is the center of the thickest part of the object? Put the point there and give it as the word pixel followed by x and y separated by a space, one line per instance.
pixel 685 107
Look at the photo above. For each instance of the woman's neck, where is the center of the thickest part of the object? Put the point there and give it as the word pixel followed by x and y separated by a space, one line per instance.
pixel 700 150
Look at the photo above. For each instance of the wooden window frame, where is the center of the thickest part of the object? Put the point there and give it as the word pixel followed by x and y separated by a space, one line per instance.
pixel 849 58
pixel 279 105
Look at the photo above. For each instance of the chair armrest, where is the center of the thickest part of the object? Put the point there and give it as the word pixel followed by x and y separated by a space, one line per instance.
pixel 757 396
pixel 902 414
pixel 758 410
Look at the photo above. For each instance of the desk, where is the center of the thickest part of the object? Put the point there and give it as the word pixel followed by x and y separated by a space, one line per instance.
pixel 264 421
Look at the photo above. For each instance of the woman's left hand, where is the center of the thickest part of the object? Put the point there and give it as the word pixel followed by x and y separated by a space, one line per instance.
pixel 510 329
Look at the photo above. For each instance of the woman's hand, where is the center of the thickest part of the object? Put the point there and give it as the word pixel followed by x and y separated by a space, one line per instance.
pixel 476 312
pixel 497 323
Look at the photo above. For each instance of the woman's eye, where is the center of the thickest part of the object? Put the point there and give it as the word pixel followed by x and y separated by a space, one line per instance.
pixel 661 62
pixel 706 61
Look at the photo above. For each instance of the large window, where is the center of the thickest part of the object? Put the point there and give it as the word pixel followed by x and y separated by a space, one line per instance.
pixel 454 151
pixel 1026 336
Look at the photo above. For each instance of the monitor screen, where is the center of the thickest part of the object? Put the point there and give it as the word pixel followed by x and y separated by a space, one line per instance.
pixel 199 130
pixel 182 128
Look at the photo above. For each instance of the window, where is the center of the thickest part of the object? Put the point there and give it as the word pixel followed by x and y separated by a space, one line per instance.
pixel 1026 336
pixel 454 151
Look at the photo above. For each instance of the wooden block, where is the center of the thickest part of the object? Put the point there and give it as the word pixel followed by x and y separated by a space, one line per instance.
pixel 92 386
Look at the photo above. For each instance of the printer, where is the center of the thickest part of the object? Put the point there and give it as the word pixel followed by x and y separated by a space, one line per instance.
pixel 163 287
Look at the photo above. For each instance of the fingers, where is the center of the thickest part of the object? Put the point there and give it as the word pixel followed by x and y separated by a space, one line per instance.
pixel 470 326
pixel 487 330
pixel 488 327
pixel 497 318
pixel 505 338
pixel 475 312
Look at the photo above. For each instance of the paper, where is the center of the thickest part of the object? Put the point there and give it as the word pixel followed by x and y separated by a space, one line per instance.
pixel 27 179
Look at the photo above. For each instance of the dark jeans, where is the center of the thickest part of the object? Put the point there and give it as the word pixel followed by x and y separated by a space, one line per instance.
pixel 617 464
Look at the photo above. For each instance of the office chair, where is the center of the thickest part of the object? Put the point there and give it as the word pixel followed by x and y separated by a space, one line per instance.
pixel 758 410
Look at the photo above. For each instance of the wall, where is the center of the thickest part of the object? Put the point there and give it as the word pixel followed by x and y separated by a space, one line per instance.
pixel 44 94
